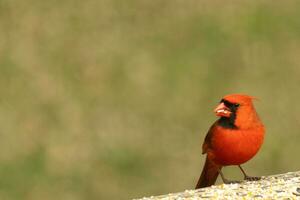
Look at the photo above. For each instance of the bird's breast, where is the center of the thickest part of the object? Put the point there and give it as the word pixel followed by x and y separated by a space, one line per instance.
pixel 234 146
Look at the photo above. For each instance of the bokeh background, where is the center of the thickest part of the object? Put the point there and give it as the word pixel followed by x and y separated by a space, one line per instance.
pixel 112 99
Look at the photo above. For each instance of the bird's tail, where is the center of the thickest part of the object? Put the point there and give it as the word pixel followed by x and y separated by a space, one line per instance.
pixel 209 174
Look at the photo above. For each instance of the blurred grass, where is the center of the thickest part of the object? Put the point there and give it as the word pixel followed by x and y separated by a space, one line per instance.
pixel 112 99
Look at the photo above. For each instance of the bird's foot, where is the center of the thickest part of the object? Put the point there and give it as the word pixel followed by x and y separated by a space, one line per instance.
pixel 252 178
pixel 226 181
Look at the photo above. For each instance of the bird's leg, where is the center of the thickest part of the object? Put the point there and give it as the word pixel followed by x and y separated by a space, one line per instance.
pixel 249 178
pixel 226 181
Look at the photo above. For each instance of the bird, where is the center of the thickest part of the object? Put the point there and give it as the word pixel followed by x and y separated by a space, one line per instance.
pixel 233 139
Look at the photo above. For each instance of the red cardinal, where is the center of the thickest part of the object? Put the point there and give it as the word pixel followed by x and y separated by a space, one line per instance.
pixel 232 140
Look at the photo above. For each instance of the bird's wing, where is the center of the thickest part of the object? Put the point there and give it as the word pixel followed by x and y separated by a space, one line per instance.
pixel 207 141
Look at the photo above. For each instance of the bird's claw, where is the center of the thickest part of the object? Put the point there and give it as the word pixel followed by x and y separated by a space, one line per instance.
pixel 231 181
pixel 247 178
pixel 252 178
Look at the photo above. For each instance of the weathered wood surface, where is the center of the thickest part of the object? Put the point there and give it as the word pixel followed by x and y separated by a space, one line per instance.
pixel 282 186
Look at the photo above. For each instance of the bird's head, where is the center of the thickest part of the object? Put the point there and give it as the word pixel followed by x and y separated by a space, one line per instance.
pixel 235 110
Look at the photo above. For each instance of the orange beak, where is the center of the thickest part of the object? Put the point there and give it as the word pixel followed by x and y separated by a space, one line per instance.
pixel 222 111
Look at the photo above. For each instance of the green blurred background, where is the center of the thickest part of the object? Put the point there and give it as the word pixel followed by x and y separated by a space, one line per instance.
pixel 112 99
